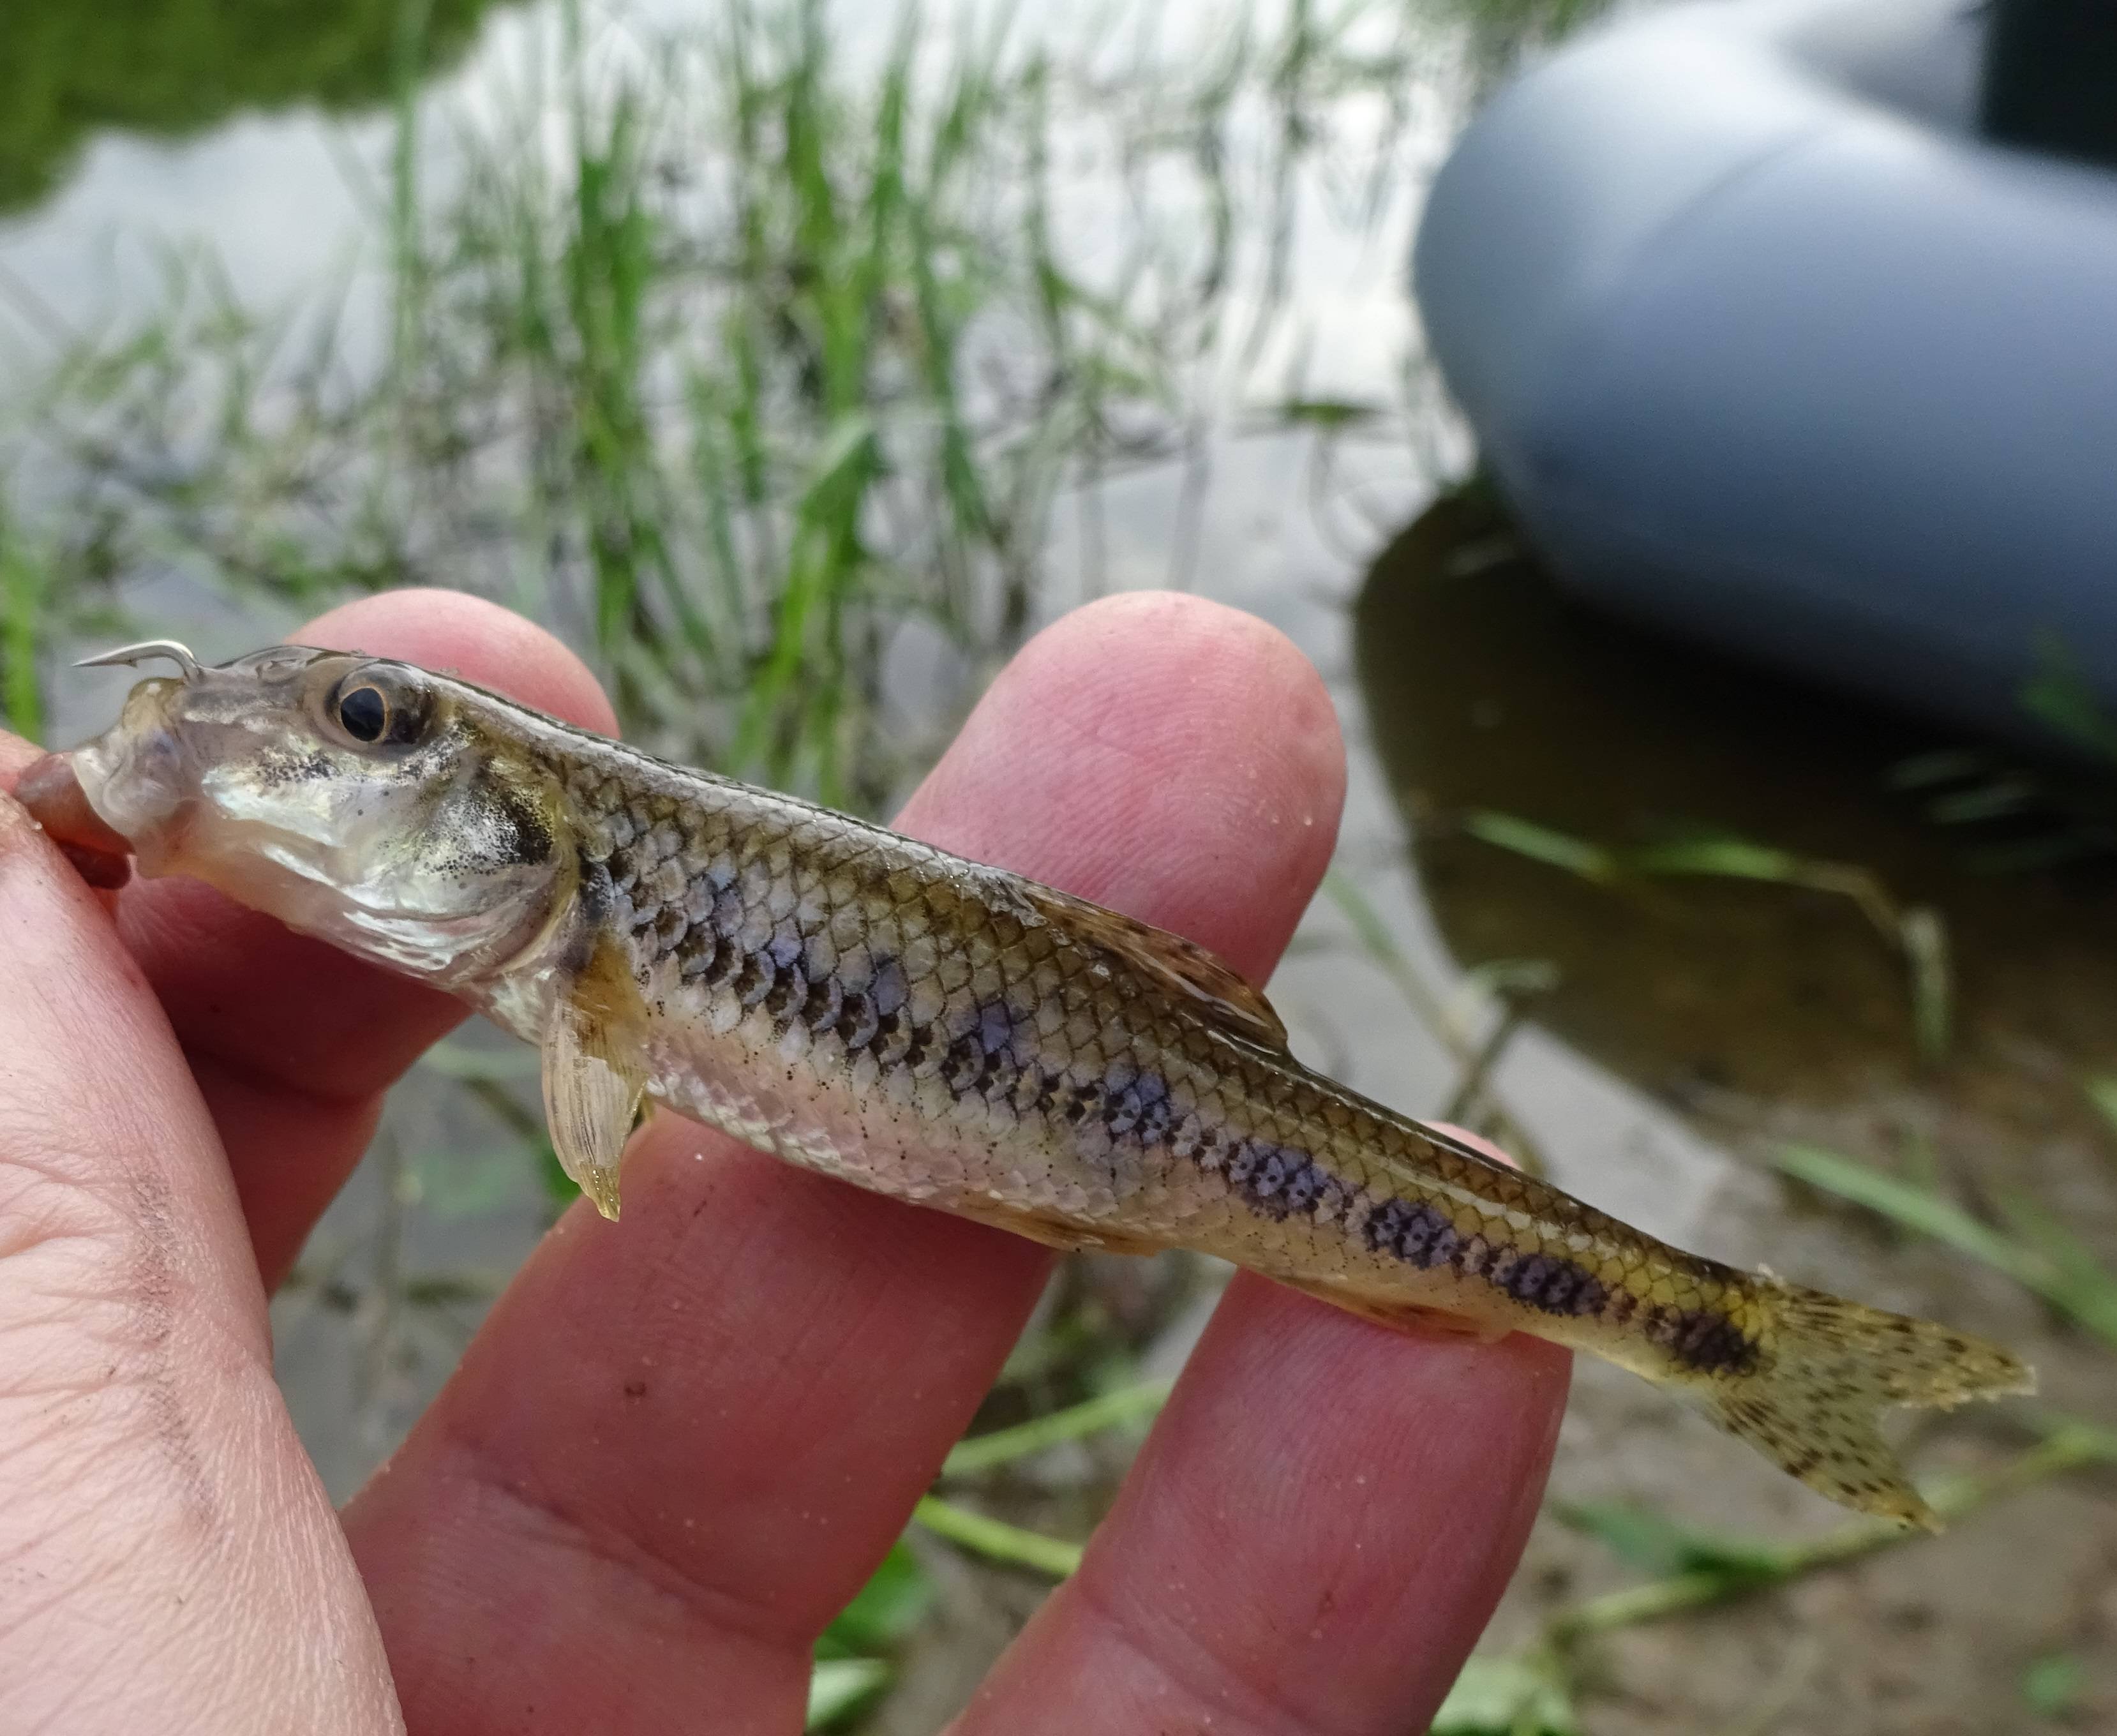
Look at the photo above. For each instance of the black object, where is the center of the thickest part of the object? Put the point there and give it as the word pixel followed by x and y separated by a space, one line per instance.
pixel 2050 77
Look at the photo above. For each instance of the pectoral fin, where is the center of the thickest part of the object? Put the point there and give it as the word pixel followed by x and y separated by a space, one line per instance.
pixel 592 1084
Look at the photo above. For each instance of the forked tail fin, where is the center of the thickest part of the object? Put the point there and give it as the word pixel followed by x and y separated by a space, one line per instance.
pixel 1814 1406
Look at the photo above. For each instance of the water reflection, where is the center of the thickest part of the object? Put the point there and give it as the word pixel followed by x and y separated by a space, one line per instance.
pixel 1493 693
pixel 170 69
pixel 1766 1013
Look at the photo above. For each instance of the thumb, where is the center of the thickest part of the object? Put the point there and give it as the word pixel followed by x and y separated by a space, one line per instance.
pixel 171 1562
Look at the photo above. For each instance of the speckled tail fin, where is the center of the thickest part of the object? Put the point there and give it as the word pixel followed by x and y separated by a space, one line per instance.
pixel 1813 1408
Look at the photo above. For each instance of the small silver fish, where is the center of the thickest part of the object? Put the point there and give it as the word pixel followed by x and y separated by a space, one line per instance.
pixel 927 1027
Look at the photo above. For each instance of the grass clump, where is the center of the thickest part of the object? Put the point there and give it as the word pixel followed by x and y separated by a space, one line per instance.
pixel 755 359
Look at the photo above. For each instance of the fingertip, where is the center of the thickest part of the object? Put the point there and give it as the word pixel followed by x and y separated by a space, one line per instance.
pixel 1283 1358
pixel 458 634
pixel 1386 1484
pixel 1219 678
pixel 1476 1142
pixel 1222 648
pixel 1192 751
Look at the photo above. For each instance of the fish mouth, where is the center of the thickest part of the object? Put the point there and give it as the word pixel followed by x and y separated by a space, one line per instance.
pixel 137 775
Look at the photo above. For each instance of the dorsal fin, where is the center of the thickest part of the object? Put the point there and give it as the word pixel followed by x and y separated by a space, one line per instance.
pixel 1182 967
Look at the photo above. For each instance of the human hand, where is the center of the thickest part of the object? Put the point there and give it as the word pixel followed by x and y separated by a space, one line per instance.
pixel 681 1443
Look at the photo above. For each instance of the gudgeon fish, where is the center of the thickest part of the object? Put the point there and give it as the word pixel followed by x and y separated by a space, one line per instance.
pixel 926 1027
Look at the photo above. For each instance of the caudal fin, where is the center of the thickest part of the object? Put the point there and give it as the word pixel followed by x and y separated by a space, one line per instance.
pixel 1814 1406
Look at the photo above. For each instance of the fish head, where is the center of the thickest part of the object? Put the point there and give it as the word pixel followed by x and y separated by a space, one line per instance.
pixel 388 809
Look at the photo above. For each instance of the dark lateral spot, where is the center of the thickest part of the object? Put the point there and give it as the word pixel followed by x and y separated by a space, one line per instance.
pixel 1121 1114
pixel 826 1001
pixel 635 1389
pixel 1708 1342
pixel 918 1041
pixel 786 995
pixel 1278 1181
pixel 727 964
pixel 964 1069
pixel 1560 1287
pixel 1085 1100
pixel 755 978
pixel 696 956
pixel 857 1021
pixel 1003 1076
pixel 1525 1280
pixel 1420 1234
pixel 1138 1105
pixel 1553 1285
pixel 1268 1180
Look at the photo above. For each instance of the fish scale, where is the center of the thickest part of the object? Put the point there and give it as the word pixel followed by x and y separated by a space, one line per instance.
pixel 933 1029
pixel 1110 1108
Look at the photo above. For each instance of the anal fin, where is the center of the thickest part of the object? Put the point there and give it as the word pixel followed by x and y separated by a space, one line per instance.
pixel 1418 1319
pixel 1067 1237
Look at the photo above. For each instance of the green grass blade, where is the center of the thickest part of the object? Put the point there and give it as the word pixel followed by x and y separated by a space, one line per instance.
pixel 1504 1696
pixel 1003 1446
pixel 997 1540
pixel 840 1686
pixel 2102 1092
pixel 1543 844
pixel 24 626
pixel 2048 1263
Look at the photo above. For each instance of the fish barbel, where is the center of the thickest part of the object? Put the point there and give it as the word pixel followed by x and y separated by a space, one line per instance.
pixel 930 1028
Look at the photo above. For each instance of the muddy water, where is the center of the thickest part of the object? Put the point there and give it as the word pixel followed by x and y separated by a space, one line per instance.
pixel 1489 690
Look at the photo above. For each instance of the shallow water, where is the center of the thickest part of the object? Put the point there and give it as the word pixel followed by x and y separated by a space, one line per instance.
pixel 1757 1014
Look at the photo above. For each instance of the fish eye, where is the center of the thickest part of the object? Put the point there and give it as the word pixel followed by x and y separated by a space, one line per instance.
pixel 364 712
pixel 374 703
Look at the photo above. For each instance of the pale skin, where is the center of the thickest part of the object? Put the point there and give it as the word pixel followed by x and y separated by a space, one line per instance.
pixel 681 1442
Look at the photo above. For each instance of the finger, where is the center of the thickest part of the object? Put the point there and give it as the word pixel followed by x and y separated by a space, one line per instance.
pixel 171 1560
pixel 683 1441
pixel 1311 1540
pixel 293 1041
